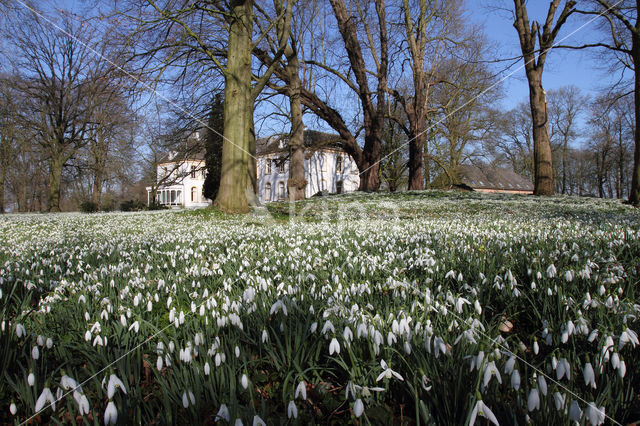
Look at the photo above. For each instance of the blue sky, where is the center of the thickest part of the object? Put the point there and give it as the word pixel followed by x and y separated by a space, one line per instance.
pixel 563 67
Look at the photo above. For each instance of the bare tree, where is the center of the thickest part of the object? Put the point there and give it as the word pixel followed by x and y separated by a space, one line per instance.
pixel 534 60
pixel 565 106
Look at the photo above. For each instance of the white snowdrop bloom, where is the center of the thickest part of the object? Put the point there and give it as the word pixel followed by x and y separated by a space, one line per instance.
pixel 391 338
pixel 314 327
pixel 172 315
pixel 551 273
pixel 136 300
pixel 135 326
pixel 622 369
pixel 477 307
pixel 509 365
pixel 563 370
pixel 589 375
pixel 615 360
pixel 123 320
pixel 515 380
pixel 20 331
pixel 628 336
pixel 542 385
pixel 244 381
pixel 185 400
pixel 49 343
pixel 301 390
pixel 223 414
pixel 82 401
pixel 347 334
pixel 481 409
pixel 595 415
pixel 40 340
pixel 490 370
pixel 69 383
pixel 149 306
pixel 564 338
pixel 31 378
pixel 111 414
pixel 159 363
pixel 237 351
pixel 358 408
pixel 172 346
pixel 334 346
pixel 98 341
pixel 169 300
pixel 13 409
pixel 257 421
pixel 407 347
pixel 533 401
pixel 292 410
pixel 568 276
pixel 575 413
pixel 45 396
pixel 218 360
pixel 536 347
pixel 35 352
pixel 328 326
pixel 181 317
pixel 388 373
pixel 114 383
pixel 265 336
pixel 593 335
pixel 558 400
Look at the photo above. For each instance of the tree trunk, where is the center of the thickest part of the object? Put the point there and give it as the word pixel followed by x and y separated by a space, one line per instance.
pixel 542 157
pixel 238 108
pixel 53 191
pixel 2 179
pixel 634 194
pixel 297 182
pixel 564 165
pixel 97 187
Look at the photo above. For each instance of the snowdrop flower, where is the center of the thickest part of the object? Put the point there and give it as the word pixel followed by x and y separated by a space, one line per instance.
pixel 387 372
pixel 347 334
pixel 45 396
pixel 575 413
pixel 533 401
pixel 31 378
pixel 237 351
pixel 551 271
pixel 563 369
pixel 589 375
pixel 244 381
pixel 223 414
pixel 265 336
pixel 481 409
pixel 477 307
pixel 558 399
pixel 594 414
pixel 135 326
pixel 314 327
pixel 185 400
pixel 292 410
pixel 509 365
pixel 622 369
pixel 68 383
pixel 207 369
pixel 20 331
pixel 542 384
pixel 628 336
pixel 13 409
pixel 358 408
pixel 257 421
pixel 49 343
pixel 301 390
pixel 159 363
pixel 515 380
pixel 328 326
pixel 114 382
pixel 490 370
pixel 536 347
pixel 334 346
pixel 111 413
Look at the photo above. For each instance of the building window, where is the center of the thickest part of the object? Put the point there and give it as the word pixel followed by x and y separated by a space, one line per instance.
pixel 267 192
pixel 281 166
pixel 203 173
pixel 193 172
pixel 267 167
pixel 281 191
pixel 194 194
pixel 339 186
pixel 339 165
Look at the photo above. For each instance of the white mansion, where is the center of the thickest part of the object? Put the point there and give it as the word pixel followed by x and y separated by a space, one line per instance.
pixel 328 168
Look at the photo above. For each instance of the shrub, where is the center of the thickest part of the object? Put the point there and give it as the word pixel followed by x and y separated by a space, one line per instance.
pixel 88 207
pixel 132 206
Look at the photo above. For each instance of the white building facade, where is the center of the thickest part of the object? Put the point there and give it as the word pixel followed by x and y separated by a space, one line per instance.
pixel 327 167
pixel 179 183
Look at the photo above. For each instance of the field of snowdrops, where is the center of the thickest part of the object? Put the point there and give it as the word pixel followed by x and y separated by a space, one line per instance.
pixel 417 308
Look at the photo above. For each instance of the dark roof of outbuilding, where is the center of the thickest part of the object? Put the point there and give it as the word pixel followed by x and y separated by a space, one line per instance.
pixel 485 176
pixel 313 141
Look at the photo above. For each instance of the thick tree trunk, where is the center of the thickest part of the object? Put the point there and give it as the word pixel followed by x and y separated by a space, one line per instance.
pixel 542 157
pixel 238 108
pixel 297 182
pixel 53 191
pixel 97 187
pixel 2 179
pixel 634 194
pixel 416 161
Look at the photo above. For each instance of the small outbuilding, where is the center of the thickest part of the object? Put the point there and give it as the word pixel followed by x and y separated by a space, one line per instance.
pixel 487 178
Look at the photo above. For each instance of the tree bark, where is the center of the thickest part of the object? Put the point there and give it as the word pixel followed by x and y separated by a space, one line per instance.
pixel 3 174
pixel 238 110
pixel 634 194
pixel 53 190
pixel 534 66
pixel 297 183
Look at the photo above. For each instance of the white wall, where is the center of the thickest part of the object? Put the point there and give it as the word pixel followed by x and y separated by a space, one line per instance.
pixel 320 172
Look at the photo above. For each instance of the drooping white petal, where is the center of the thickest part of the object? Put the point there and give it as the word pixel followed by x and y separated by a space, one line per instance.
pixel 301 390
pixel 111 414
pixel 292 410
pixel 358 408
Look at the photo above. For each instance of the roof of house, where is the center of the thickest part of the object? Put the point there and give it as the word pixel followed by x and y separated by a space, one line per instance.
pixel 313 141
pixel 181 156
pixel 485 176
